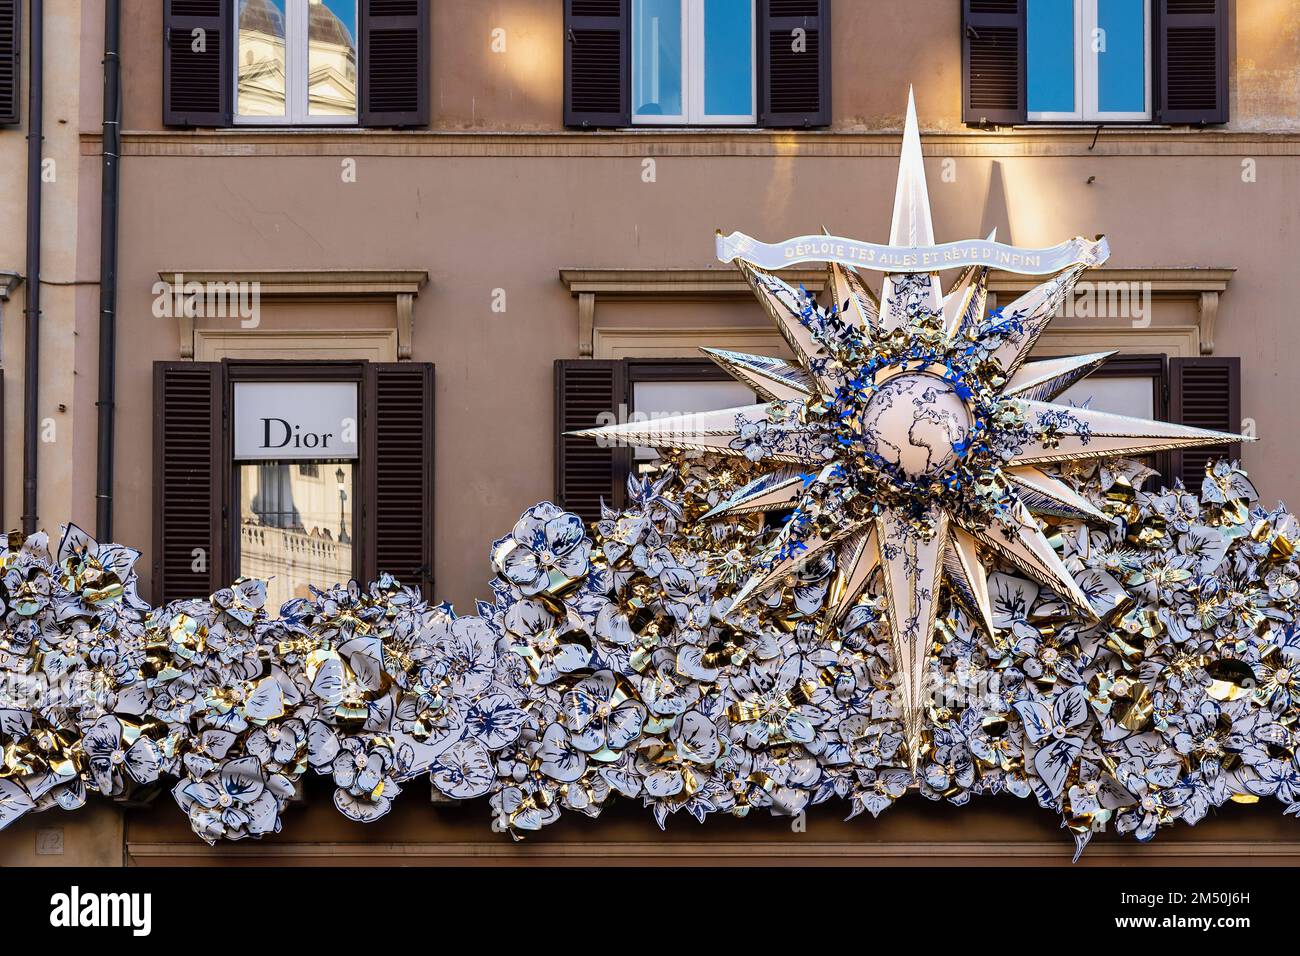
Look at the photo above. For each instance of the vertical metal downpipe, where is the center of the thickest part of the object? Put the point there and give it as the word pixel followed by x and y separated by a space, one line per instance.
pixel 112 141
pixel 32 331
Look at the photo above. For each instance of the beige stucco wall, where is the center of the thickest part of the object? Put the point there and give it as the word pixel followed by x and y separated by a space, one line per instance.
pixel 512 222
pixel 69 298
pixel 90 836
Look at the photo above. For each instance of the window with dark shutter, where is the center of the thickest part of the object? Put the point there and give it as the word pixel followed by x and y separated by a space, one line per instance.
pixel 197 62
pixel 585 472
pixel 1204 393
pixel 400 440
pixel 993 61
pixel 596 63
pixel 1192 61
pixel 394 62
pixel 189 460
pixel 795 55
pixel 11 45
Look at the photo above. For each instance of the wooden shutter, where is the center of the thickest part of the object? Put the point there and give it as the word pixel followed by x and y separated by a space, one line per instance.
pixel 597 58
pixel 586 473
pixel 197 62
pixel 795 68
pixel 189 464
pixel 1191 61
pixel 11 45
pixel 993 61
pixel 394 62
pixel 399 455
pixel 1205 393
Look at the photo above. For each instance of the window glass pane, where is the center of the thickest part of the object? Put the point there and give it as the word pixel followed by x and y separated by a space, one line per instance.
pixel 331 57
pixel 1050 50
pixel 295 526
pixel 652 400
pixel 1132 395
pixel 1121 56
pixel 1128 395
pixel 728 58
pixel 657 57
pixel 260 58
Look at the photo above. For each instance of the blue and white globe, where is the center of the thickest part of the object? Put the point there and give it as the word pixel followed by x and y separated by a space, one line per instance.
pixel 914 421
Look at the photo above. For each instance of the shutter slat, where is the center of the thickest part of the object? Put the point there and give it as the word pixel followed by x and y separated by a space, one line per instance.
pixel 196 83
pixel 1192 61
pixel 402 398
pixel 993 62
pixel 794 77
pixel 11 45
pixel 586 473
pixel 1204 392
pixel 394 67
pixel 597 51
pixel 188 460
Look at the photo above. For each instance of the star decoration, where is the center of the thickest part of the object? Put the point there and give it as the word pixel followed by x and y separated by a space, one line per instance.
pixel 910 436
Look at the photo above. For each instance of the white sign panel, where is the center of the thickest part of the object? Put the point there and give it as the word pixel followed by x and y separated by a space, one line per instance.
pixel 295 420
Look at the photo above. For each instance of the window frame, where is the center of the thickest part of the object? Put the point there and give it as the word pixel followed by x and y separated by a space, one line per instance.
pixel 693 72
pixel 638 371
pixel 1087 72
pixel 1153 366
pixel 289 370
pixel 297 60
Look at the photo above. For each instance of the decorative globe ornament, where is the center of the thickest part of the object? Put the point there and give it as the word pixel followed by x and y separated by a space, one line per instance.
pixel 927 413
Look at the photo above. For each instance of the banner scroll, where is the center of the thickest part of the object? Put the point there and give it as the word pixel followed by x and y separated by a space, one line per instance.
pixel 894 259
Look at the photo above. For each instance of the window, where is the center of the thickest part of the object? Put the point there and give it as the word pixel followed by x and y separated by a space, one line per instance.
pixel 1088 60
pixel 693 62
pixel 296 61
pixel 1201 391
pixel 295 530
pixel 325 469
pixel 697 62
pixel 1094 61
pixel 593 392
pixel 680 389
pixel 1133 385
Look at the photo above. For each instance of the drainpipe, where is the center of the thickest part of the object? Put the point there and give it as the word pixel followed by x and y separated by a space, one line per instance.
pixel 112 141
pixel 32 332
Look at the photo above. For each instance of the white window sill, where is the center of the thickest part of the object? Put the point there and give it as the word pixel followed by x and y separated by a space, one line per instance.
pixel 1076 125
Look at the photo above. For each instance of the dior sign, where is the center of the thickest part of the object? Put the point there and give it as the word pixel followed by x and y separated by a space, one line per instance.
pixel 295 420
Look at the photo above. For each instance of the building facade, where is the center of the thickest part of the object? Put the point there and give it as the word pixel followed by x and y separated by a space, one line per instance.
pixel 376 256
